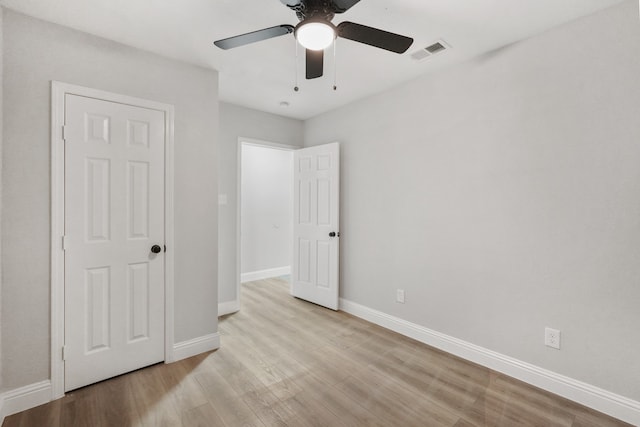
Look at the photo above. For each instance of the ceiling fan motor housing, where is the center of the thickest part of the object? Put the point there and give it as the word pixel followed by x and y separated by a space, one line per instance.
pixel 312 9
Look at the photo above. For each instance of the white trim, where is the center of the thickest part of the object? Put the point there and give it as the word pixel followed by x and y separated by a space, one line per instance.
pixel 196 346
pixel 238 219
pixel 267 144
pixel 586 394
pixel 253 142
pixel 1 150
pixel 228 307
pixel 58 92
pixel 265 274
pixel 169 221
pixel 23 398
pixel 57 230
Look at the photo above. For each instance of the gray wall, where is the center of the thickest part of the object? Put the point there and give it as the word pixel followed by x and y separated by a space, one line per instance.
pixel 235 122
pixel 35 53
pixel 503 195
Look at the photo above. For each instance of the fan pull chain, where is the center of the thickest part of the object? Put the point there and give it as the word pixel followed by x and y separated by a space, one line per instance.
pixel 296 88
pixel 335 66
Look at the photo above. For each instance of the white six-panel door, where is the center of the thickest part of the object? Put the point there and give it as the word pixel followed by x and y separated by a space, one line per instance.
pixel 114 214
pixel 315 267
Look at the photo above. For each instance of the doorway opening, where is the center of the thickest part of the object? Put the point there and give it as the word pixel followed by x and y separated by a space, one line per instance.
pixel 265 211
pixel 313 197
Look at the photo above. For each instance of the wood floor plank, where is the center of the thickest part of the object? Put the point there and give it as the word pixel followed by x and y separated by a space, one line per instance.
pixel 271 410
pixel 155 404
pixel 45 415
pixel 202 416
pixel 286 362
pixel 340 404
pixel 311 409
pixel 235 412
pixel 116 402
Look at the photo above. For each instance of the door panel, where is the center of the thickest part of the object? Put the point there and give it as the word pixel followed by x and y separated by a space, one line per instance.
pixel 138 301
pixel 137 201
pixel 97 290
pixel 316 214
pixel 114 213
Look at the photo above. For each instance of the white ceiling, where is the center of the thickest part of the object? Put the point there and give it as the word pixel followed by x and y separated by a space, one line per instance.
pixel 262 75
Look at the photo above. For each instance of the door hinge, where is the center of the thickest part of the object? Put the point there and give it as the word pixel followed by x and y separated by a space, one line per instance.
pixel 64 243
pixel 63 352
pixel 64 132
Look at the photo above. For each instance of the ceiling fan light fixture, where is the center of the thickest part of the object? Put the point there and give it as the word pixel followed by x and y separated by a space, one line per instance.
pixel 315 35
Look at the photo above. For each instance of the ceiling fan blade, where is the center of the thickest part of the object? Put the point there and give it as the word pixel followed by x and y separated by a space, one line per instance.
pixel 342 6
pixel 315 63
pixel 255 36
pixel 374 37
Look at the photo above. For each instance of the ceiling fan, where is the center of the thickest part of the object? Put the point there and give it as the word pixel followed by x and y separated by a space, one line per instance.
pixel 315 32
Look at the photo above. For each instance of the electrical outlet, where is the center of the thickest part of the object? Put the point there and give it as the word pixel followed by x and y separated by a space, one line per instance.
pixel 400 296
pixel 552 338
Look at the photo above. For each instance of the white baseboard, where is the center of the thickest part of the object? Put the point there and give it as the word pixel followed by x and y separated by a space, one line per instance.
pixel 228 307
pixel 265 274
pixel 586 394
pixel 193 347
pixel 23 398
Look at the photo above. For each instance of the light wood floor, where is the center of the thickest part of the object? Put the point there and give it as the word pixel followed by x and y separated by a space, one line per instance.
pixel 285 362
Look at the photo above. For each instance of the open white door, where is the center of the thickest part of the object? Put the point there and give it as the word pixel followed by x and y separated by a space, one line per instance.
pixel 316 197
pixel 114 236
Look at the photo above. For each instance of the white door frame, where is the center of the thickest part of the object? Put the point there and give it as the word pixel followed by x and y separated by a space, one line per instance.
pixel 58 92
pixel 259 143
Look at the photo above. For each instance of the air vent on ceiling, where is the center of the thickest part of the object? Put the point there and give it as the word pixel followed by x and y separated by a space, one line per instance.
pixel 436 47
